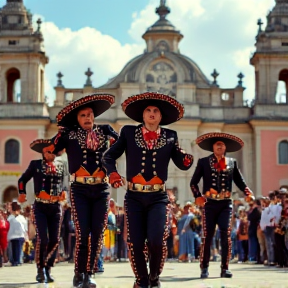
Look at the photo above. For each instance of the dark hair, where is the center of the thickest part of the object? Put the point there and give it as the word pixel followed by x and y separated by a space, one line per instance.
pixel 271 195
pixel 15 206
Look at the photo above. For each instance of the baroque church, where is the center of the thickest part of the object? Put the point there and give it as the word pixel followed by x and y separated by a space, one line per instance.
pixel 263 126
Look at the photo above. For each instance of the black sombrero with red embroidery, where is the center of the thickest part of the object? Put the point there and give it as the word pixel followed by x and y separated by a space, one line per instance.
pixel 38 144
pixel 231 142
pixel 99 103
pixel 170 108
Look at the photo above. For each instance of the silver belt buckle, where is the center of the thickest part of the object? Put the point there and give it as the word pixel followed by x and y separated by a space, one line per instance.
pixel 89 180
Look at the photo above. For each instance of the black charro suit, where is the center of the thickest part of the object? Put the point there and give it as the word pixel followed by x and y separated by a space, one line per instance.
pixel 146 213
pixel 216 211
pixel 47 215
pixel 89 202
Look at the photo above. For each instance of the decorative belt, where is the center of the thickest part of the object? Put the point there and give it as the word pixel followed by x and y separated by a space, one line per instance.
pixel 135 187
pixel 48 199
pixel 88 180
pixel 219 196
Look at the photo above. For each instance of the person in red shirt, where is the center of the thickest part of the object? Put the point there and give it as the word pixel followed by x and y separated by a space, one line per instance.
pixel 4 228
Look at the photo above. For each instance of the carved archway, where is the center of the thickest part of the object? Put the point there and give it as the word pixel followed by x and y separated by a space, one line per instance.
pixel 12 75
pixel 10 193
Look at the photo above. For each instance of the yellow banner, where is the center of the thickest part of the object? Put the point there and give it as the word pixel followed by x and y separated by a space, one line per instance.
pixel 10 173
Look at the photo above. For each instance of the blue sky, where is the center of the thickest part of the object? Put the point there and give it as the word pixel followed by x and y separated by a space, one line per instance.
pixel 105 34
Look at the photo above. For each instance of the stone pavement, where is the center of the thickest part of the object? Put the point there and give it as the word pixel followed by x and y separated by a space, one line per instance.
pixel 177 275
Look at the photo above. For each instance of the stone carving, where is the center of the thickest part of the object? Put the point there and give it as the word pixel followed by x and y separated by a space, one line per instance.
pixel 161 77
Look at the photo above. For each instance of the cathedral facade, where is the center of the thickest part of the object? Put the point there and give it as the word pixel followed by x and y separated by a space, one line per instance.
pixel 263 126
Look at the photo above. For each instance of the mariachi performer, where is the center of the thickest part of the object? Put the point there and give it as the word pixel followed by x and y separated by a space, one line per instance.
pixel 217 172
pixel 85 143
pixel 148 148
pixel 48 176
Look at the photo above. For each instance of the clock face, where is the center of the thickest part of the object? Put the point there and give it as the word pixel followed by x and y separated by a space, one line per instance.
pixel 161 77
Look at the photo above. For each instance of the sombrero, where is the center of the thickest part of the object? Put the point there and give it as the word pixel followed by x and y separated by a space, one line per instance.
pixel 99 103
pixel 169 107
pixel 232 142
pixel 39 144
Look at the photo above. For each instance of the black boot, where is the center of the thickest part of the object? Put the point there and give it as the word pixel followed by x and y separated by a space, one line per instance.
pixel 88 282
pixel 1 261
pixel 225 273
pixel 49 278
pixel 154 282
pixel 40 277
pixel 138 286
pixel 204 273
pixel 78 280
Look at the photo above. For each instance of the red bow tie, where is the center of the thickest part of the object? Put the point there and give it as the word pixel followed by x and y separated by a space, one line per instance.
pixel 151 135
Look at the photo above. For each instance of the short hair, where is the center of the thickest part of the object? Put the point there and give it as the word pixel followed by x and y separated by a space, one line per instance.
pixel 271 195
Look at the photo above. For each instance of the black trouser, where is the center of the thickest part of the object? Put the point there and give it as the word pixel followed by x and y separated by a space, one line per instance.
pixel 280 255
pixel 216 212
pixel 147 227
pixel 48 224
pixel 170 245
pixel 89 210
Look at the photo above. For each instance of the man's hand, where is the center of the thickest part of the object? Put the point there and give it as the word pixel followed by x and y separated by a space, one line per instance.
pixel 21 198
pixel 116 180
pixel 249 195
pixel 200 201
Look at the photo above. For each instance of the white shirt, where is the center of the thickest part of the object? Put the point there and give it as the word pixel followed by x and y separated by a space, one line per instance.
pixel 270 216
pixel 16 229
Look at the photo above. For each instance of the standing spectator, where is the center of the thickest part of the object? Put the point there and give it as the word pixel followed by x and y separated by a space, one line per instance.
pixel 269 219
pixel 243 236
pixel 254 217
pixel 16 234
pixel 4 228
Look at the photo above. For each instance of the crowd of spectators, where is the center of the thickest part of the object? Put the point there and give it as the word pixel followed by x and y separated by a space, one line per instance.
pixel 259 233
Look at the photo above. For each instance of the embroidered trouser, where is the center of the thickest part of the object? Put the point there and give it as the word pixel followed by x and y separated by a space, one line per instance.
pixel 147 229
pixel 48 224
pixel 89 211
pixel 216 212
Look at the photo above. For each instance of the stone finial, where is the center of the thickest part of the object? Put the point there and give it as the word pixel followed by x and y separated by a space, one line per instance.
pixel 259 23
pixel 39 22
pixel 59 82
pixel 88 73
pixel 215 74
pixel 162 10
pixel 240 82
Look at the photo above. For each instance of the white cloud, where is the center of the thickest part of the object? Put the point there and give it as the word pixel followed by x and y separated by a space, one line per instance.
pixel 217 34
pixel 72 52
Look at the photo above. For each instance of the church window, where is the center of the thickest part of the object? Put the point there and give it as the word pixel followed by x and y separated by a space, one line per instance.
pixel 283 152
pixel 149 78
pixel 12 151
pixel 284 43
pixel 12 42
pixel 282 87
pixel 225 96
pixel 13 85
pixel 162 46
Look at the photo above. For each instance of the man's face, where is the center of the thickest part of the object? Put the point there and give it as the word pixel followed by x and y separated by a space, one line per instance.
pixel 219 148
pixel 85 118
pixel 49 157
pixel 152 115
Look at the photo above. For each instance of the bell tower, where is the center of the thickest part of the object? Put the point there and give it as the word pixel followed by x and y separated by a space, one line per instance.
pixel 22 55
pixel 271 57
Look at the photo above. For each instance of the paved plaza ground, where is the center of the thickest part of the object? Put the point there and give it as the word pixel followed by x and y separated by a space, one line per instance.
pixel 176 275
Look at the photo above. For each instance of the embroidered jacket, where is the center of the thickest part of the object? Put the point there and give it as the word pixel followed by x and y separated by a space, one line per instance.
pixel 50 182
pixel 74 141
pixel 141 160
pixel 217 179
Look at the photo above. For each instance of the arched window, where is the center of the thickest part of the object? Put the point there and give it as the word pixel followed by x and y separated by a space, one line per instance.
pixel 282 88
pixel 13 85
pixel 283 152
pixel 12 149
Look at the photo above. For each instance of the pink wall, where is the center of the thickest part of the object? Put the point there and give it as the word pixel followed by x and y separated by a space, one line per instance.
pixel 271 171
pixel 25 137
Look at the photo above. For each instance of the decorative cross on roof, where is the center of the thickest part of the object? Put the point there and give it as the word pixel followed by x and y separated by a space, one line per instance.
pixel 39 22
pixel 162 10
pixel 162 3
pixel 59 82
pixel 215 74
pixel 240 76
pixel 260 23
pixel 88 73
